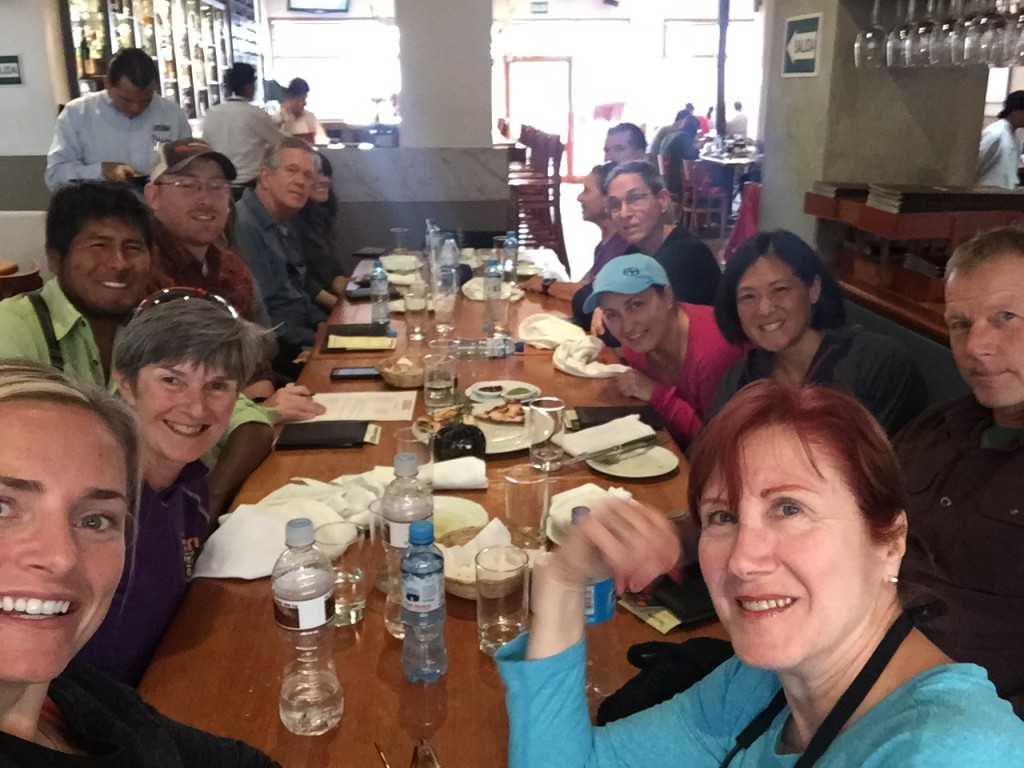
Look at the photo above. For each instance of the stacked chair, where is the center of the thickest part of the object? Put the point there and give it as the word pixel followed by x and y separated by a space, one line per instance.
pixel 534 193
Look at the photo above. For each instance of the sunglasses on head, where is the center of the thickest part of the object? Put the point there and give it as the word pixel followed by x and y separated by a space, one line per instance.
pixel 166 295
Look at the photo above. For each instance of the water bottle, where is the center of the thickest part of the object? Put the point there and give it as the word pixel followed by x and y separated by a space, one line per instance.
pixel 404 501
pixel 510 265
pixel 424 656
pixel 496 298
pixel 479 349
pixel 311 700
pixel 379 294
pixel 600 607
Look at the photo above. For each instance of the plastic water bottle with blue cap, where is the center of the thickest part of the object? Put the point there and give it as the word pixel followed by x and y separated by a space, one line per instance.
pixel 424 655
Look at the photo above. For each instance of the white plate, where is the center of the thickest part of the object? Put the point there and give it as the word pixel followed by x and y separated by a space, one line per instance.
pixel 473 290
pixel 453 512
pixel 400 262
pixel 654 463
pixel 473 391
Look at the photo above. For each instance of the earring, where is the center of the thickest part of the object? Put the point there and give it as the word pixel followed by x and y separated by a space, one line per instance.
pixel 894 580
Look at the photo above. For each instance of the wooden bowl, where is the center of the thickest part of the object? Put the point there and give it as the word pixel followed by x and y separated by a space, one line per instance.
pixel 458 537
pixel 402 376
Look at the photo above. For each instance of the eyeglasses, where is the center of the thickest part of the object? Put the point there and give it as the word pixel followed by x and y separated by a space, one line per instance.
pixel 195 186
pixel 183 293
pixel 632 201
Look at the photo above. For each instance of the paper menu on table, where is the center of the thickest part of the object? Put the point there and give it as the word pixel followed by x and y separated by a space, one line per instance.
pixel 367 406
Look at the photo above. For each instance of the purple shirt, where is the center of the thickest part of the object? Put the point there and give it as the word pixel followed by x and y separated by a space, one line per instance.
pixel 615 245
pixel 172 527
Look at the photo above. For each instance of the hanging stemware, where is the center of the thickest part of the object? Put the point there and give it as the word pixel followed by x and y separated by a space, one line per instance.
pixel 969 35
pixel 899 36
pixel 941 50
pixel 869 48
pixel 920 43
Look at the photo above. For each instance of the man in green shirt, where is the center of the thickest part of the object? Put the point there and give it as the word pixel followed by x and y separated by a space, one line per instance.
pixel 98 240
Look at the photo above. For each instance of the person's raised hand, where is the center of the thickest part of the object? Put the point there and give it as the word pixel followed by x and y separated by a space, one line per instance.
pixel 597 326
pixel 118 171
pixel 293 402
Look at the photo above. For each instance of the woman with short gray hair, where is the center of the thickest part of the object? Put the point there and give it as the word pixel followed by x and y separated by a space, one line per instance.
pixel 179 364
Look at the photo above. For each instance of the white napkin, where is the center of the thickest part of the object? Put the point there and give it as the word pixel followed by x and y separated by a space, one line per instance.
pixel 548 331
pixel 249 541
pixel 606 435
pixel 474 289
pixel 400 262
pixel 547 260
pixel 578 358
pixel 560 513
pixel 405 278
pixel 398 305
pixel 464 473
pixel 459 561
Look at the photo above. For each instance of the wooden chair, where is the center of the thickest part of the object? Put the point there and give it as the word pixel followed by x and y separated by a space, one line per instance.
pixel 535 194
pixel 700 202
pixel 20 282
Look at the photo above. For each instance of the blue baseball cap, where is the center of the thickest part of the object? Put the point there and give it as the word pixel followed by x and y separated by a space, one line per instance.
pixel 627 274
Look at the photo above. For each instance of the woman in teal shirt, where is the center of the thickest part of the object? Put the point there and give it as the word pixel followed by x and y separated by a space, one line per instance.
pixel 798 496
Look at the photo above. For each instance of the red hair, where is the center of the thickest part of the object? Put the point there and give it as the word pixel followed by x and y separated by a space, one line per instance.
pixel 826 421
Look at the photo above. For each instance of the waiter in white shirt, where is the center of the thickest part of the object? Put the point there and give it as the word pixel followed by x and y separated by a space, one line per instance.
pixel 240 130
pixel 999 155
pixel 294 119
pixel 111 134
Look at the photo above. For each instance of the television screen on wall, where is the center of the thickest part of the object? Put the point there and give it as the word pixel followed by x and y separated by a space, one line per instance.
pixel 319 6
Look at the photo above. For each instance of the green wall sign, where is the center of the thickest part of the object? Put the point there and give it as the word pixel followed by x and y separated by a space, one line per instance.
pixel 800 57
pixel 10 70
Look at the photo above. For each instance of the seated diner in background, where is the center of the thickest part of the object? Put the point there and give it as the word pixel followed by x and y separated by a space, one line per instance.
pixel 779 296
pixel 963 462
pixel 676 351
pixel 623 143
pixel 63 537
pixel 178 364
pixel 638 202
pixel 315 225
pixel 798 497
pixel 595 210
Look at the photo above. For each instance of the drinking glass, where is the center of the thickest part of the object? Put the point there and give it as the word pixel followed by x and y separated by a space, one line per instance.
pixel 869 49
pixel 399 233
pixel 502 596
pixel 446 288
pixel 416 311
pixel 545 426
pixel 421 444
pixel 941 49
pixel 350 548
pixel 438 381
pixel 527 499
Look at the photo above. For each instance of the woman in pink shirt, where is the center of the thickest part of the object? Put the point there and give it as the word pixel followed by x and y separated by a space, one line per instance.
pixel 676 351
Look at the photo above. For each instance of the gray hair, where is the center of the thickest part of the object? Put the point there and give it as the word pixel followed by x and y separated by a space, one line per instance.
pixel 29 381
pixel 272 157
pixel 192 330
pixel 1002 241
pixel 651 178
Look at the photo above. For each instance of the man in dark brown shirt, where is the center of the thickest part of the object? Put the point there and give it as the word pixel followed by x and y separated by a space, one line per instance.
pixel 964 469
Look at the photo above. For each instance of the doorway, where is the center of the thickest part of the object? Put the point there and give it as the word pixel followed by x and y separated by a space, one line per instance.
pixel 538 92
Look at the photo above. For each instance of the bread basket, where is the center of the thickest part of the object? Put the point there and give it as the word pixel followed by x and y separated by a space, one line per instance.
pixel 458 537
pixel 402 372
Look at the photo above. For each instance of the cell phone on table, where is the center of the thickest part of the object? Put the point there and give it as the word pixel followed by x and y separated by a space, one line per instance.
pixel 354 372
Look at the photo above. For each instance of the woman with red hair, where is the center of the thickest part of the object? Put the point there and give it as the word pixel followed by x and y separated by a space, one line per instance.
pixel 798 497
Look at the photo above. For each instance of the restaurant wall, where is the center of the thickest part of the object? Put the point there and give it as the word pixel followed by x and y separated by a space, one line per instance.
pixel 31 31
pixel 848 124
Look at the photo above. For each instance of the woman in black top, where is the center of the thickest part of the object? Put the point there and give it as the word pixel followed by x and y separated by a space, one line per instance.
pixel 778 296
pixel 314 225
pixel 638 204
pixel 62 550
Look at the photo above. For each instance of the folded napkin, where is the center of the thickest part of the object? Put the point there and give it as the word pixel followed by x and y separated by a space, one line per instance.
pixel 578 358
pixel 547 260
pixel 590 494
pixel 400 262
pixel 398 305
pixel 464 473
pixel 549 331
pixel 250 539
pixel 474 289
pixel 606 435
pixel 459 560
pixel 403 278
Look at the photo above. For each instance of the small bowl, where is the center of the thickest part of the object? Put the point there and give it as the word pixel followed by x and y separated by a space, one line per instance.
pixel 458 537
pixel 402 376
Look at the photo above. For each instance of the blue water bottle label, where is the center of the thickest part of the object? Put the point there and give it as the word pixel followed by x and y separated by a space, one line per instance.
pixel 600 601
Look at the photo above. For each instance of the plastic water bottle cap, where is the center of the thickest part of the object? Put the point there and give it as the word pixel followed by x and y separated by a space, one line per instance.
pixel 406 464
pixel 520 346
pixel 421 532
pixel 299 532
pixel 492 262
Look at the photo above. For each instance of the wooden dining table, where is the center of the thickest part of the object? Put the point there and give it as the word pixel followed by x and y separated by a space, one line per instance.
pixel 219 665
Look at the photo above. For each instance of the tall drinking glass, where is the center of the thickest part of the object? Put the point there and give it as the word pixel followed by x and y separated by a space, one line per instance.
pixel 869 49
pixel 446 288
pixel 545 425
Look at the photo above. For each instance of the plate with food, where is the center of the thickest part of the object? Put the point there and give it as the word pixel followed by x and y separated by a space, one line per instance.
pixel 430 423
pixel 502 389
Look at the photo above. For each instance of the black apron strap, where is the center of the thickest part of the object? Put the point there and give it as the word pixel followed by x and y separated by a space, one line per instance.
pixel 834 722
pixel 46 324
